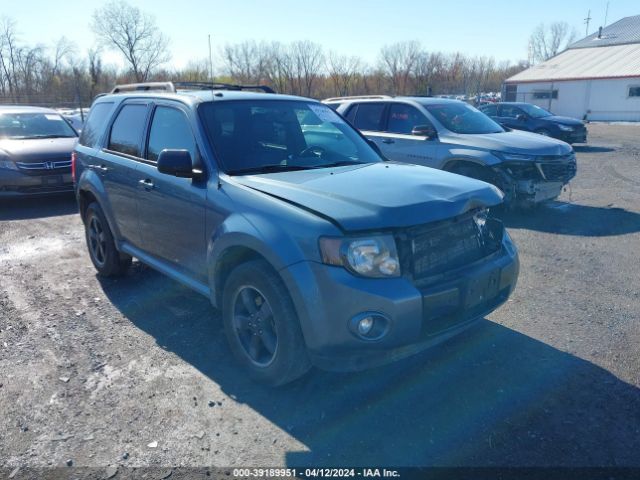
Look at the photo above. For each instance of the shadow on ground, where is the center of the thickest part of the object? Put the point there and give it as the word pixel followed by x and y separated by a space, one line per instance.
pixel 592 149
pixel 37 207
pixel 491 396
pixel 573 219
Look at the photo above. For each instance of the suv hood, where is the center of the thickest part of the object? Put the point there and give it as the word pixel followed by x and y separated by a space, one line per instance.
pixel 38 150
pixel 376 196
pixel 515 141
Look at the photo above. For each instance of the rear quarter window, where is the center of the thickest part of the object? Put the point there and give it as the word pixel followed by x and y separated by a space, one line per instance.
pixel 369 116
pixel 94 126
pixel 127 129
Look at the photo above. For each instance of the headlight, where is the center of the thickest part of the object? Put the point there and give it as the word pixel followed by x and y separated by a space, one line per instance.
pixel 7 164
pixel 513 157
pixel 565 128
pixel 374 256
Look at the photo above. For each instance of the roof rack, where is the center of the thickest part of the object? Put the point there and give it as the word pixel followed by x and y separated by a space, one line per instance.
pixel 357 97
pixel 220 86
pixel 173 87
pixel 144 87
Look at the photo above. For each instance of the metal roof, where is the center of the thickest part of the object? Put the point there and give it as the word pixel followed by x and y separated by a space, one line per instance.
pixel 624 31
pixel 614 61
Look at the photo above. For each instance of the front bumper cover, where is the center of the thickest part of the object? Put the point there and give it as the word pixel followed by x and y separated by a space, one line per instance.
pixel 419 317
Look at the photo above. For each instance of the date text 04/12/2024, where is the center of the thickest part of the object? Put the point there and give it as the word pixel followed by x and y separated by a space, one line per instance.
pixel 315 473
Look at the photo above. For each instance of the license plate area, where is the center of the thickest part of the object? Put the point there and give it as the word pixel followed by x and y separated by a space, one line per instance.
pixel 52 180
pixel 483 288
pixel 547 191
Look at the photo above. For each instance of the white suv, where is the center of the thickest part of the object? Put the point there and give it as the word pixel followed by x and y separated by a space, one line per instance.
pixel 454 136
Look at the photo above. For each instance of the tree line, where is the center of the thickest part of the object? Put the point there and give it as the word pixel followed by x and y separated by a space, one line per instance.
pixel 58 75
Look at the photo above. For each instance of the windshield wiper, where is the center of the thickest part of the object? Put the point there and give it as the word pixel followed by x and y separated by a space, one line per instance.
pixel 342 163
pixel 277 167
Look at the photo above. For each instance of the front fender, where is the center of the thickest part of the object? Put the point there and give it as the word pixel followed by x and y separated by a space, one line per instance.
pixel 479 157
pixel 264 239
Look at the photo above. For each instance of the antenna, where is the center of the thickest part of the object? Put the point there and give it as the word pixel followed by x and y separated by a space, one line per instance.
pixel 210 61
pixel 586 21
pixel 606 14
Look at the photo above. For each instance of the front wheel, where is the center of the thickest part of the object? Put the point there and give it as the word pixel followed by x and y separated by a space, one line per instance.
pixel 262 326
pixel 106 258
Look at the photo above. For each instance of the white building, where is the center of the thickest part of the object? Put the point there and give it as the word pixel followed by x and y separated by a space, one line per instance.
pixel 596 78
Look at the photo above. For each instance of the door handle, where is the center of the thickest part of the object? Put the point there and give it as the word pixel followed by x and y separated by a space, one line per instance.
pixel 146 184
pixel 388 141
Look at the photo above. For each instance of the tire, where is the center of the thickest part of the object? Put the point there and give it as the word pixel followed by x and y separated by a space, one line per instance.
pixel 106 258
pixel 543 132
pixel 256 306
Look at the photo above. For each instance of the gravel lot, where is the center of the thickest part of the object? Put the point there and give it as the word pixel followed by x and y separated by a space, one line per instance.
pixel 136 371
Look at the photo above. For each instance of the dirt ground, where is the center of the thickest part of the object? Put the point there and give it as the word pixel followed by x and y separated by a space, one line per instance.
pixel 136 371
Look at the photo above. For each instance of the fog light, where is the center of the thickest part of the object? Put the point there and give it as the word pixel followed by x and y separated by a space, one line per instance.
pixel 365 325
pixel 369 325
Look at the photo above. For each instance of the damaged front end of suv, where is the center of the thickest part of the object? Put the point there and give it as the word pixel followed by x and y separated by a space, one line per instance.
pixel 527 180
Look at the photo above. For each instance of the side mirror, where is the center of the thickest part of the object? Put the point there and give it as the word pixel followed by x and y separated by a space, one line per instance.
pixel 425 131
pixel 521 117
pixel 176 162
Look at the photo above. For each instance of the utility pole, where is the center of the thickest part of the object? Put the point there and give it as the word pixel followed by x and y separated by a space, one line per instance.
pixel 586 21
pixel 210 61
pixel 606 14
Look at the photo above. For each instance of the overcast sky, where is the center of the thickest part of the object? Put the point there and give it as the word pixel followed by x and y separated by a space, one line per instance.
pixel 497 28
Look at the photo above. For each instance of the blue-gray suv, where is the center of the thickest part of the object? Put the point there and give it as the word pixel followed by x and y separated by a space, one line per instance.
pixel 316 250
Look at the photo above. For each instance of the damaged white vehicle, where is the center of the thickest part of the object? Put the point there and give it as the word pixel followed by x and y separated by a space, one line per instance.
pixel 454 136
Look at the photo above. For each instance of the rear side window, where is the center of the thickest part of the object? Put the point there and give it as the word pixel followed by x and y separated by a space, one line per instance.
pixel 126 132
pixel 94 126
pixel 369 116
pixel 351 113
pixel 402 118
pixel 491 110
pixel 170 130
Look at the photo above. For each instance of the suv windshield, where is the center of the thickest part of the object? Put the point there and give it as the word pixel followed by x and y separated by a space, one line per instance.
pixel 275 135
pixel 34 125
pixel 463 118
pixel 534 111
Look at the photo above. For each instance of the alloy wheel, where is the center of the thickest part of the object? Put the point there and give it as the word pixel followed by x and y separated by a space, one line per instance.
pixel 254 326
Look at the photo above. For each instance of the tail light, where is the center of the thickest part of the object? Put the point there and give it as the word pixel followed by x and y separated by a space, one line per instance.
pixel 73 166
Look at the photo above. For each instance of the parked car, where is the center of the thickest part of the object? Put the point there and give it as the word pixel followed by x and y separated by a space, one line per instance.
pixel 35 151
pixel 316 250
pixel 532 118
pixel 454 136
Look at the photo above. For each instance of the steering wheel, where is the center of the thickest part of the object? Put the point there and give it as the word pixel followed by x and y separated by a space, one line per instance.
pixel 314 150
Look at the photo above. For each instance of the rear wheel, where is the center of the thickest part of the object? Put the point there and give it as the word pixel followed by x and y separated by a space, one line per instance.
pixel 105 257
pixel 262 326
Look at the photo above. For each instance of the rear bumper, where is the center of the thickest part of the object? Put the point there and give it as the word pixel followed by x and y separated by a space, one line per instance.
pixel 16 184
pixel 327 298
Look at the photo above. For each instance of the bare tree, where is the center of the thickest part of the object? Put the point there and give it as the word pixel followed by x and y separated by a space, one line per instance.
pixel 399 61
pixel 547 41
pixel 8 53
pixel 307 59
pixel 127 29
pixel 343 70
pixel 62 49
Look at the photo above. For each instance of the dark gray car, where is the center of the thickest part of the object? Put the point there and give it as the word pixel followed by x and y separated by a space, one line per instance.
pixel 35 151
pixel 316 250
pixel 454 136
